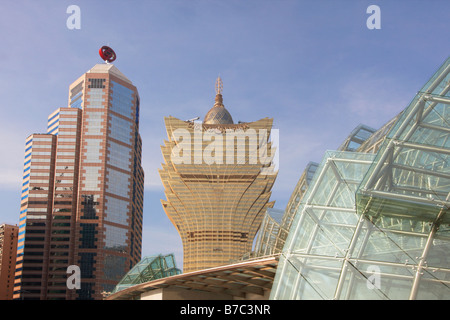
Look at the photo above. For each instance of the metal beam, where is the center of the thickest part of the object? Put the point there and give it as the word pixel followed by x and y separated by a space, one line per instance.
pixel 339 209
pixel 422 261
pixel 440 99
pixel 423 147
pixel 422 171
pixel 348 254
pixel 433 127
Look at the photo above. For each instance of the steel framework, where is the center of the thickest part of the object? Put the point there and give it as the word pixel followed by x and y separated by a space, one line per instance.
pixel 375 225
pixel 148 269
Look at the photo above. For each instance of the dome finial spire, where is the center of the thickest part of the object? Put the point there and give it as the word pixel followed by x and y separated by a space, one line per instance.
pixel 218 114
pixel 219 89
pixel 219 85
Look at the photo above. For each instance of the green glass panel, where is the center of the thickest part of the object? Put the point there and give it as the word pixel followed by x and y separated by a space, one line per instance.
pixel 148 269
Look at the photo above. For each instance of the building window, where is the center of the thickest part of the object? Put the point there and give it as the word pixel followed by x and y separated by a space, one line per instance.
pixel 96 83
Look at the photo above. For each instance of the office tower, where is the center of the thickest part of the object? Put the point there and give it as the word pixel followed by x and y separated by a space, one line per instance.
pixel 8 251
pixel 82 196
pixel 217 177
pixel 35 217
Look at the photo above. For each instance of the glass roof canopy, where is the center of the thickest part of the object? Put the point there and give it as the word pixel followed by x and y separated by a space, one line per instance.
pixel 407 189
pixel 356 138
pixel 375 226
pixel 148 269
pixel 275 226
pixel 322 230
pixel 412 166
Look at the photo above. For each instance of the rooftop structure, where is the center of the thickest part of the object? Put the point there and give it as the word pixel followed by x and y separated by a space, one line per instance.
pixel 148 269
pixel 248 280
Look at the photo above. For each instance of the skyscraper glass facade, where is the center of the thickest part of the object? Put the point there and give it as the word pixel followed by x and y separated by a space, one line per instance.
pixel 82 196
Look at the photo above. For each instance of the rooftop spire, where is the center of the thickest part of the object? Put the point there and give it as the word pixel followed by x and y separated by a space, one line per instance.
pixel 218 114
pixel 219 85
pixel 219 89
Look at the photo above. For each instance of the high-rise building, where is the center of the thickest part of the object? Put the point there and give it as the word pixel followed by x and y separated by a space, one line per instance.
pixel 8 250
pixel 82 196
pixel 217 177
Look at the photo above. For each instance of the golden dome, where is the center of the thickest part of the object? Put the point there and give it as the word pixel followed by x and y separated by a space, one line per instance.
pixel 218 114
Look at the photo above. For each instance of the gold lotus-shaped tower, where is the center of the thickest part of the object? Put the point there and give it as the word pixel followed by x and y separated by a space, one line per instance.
pixel 216 205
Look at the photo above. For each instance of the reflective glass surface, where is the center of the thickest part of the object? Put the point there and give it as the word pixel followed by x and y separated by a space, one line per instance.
pixel 119 156
pixel 322 230
pixel 115 267
pixel 116 210
pixel 94 123
pixel 356 138
pixel 148 269
pixel 122 100
pixel 121 129
pixel 377 228
pixel 91 178
pixel 95 98
pixel 115 238
pixel 93 153
pixel 118 182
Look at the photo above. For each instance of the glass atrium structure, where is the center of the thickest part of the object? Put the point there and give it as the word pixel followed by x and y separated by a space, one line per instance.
pixel 374 224
pixel 356 138
pixel 276 223
pixel 268 240
pixel 148 269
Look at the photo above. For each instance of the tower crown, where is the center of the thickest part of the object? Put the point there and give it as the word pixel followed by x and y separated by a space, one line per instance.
pixel 109 68
pixel 218 114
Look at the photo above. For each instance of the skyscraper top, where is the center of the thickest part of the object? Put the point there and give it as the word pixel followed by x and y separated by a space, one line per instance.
pixel 109 68
pixel 219 86
pixel 218 114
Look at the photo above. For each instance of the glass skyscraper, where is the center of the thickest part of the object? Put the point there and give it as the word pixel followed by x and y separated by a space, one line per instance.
pixel 82 195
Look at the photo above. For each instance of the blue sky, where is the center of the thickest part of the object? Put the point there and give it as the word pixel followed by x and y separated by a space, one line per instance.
pixel 313 66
